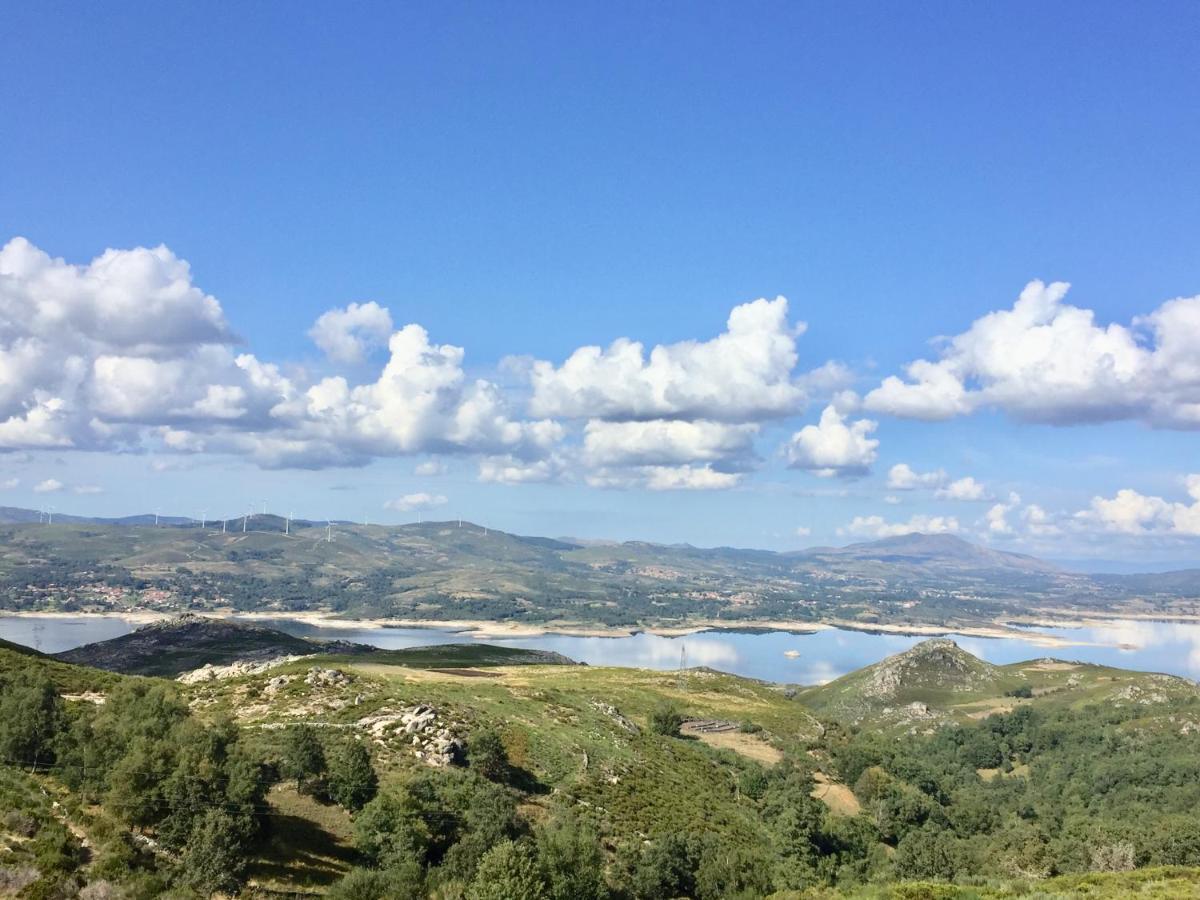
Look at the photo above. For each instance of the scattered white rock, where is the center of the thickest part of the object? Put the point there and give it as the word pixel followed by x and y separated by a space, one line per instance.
pixel 209 672
pixel 431 740
pixel 318 677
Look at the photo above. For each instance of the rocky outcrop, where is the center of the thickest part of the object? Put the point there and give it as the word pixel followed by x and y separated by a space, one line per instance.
pixel 209 672
pixel 318 677
pixel 615 714
pixel 422 730
pixel 938 663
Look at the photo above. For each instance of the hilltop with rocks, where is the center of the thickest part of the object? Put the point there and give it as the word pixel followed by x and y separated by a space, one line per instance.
pixel 189 642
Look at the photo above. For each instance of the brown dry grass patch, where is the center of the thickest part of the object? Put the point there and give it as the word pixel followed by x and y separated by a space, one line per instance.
pixel 835 795
pixel 750 746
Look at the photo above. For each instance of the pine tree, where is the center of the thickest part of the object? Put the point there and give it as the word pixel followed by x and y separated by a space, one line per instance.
pixel 352 780
pixel 508 871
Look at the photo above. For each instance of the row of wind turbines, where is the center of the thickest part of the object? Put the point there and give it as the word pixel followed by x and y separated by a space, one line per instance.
pixel 46 517
pixel 249 513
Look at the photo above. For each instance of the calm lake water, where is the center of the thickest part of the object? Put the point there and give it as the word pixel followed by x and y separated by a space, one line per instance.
pixel 1149 646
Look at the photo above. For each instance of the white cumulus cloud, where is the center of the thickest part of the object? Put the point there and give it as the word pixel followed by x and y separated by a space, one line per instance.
pixel 126 352
pixel 664 442
pixel 1130 512
pixel 1047 361
pixel 902 477
pixel 508 469
pixel 411 502
pixel 834 446
pixel 997 515
pixel 878 527
pixel 962 489
pixel 49 486
pixel 741 375
pixel 347 335
pixel 665 478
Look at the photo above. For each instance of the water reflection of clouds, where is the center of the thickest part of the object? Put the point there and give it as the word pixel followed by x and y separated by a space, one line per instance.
pixel 820 672
pixel 648 650
pixel 822 656
pixel 1134 636
pixel 975 647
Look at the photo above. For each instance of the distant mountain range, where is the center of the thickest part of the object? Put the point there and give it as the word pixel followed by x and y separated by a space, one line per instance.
pixel 930 549
pixel 460 570
pixel 15 515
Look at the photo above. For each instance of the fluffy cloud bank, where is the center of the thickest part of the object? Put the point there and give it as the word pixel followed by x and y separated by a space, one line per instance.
pixel 126 351
pixel 1047 361
pixel 1129 512
pixel 683 416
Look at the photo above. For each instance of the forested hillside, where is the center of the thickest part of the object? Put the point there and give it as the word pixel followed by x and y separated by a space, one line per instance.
pixel 439 774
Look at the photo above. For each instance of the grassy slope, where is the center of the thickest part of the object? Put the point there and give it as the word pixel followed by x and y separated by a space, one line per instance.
pixel 557 724
pixel 69 679
pixel 451 656
pixel 19 649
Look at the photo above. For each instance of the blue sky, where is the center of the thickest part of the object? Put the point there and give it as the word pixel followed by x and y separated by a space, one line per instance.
pixel 527 181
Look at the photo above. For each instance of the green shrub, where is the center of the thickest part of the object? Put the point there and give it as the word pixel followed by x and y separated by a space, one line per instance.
pixel 666 720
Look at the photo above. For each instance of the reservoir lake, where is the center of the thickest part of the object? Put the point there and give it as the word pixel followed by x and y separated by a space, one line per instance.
pixel 1171 647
